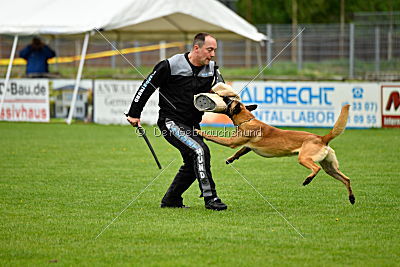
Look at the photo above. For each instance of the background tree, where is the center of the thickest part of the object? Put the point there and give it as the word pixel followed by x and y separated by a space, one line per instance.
pixel 309 11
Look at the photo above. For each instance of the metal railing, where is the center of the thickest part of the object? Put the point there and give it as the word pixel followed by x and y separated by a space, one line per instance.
pixel 356 51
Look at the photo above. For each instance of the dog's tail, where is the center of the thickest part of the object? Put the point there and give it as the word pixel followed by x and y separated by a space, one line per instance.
pixel 339 126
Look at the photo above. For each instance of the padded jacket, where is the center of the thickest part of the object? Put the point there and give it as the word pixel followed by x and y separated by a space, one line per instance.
pixel 178 81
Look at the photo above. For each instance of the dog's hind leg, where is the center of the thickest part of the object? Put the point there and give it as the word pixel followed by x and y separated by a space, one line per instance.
pixel 244 150
pixel 331 167
pixel 310 152
pixel 310 164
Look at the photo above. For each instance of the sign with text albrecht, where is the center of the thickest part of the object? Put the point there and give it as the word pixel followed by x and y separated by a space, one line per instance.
pixel 390 105
pixel 312 104
pixel 114 97
pixel 25 100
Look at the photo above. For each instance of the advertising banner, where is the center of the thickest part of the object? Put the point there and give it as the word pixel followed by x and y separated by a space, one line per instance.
pixel 390 105
pixel 309 104
pixel 64 89
pixel 25 100
pixel 114 97
pixel 69 84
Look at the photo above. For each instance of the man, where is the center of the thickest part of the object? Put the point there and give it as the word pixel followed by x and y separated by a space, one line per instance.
pixel 36 54
pixel 179 78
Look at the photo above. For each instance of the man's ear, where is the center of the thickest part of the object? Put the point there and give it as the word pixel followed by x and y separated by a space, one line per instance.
pixel 251 107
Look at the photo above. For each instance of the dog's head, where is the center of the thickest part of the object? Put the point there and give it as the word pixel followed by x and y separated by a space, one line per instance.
pixel 235 107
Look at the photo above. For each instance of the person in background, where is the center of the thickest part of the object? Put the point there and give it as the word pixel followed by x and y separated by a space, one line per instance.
pixel 36 54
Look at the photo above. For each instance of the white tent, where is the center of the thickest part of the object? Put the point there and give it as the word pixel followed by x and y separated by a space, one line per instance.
pixel 166 18
pixel 139 19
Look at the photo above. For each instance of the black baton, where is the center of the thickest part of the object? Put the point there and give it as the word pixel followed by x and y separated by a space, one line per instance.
pixel 143 133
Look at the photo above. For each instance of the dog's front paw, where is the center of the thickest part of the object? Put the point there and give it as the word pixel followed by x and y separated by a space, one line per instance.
pixel 229 160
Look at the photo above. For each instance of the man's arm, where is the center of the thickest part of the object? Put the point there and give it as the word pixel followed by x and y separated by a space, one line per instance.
pixel 219 86
pixel 24 53
pixel 217 76
pixel 49 52
pixel 150 84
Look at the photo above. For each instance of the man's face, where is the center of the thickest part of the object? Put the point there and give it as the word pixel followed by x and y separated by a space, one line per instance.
pixel 205 53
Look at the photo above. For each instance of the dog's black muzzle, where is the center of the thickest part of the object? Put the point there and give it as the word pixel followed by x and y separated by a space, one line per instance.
pixel 228 103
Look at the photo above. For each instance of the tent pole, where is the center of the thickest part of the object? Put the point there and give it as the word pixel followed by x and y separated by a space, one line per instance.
pixel 14 47
pixel 259 60
pixel 78 78
pixel 162 50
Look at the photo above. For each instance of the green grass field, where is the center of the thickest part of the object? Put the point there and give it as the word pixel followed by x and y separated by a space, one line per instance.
pixel 61 185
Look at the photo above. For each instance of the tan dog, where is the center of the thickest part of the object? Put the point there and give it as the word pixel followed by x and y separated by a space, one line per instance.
pixel 268 141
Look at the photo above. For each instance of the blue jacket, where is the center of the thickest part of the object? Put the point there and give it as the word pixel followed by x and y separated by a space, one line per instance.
pixel 37 59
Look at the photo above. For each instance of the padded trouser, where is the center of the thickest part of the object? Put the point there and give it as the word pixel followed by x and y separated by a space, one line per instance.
pixel 196 161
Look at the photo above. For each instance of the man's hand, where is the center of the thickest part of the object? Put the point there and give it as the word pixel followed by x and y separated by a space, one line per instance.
pixel 133 121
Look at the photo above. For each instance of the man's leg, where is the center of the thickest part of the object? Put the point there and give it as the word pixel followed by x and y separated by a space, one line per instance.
pixel 185 176
pixel 211 200
pixel 192 146
pixel 182 181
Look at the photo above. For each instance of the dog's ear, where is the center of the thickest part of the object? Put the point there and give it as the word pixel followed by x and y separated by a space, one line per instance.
pixel 237 109
pixel 251 107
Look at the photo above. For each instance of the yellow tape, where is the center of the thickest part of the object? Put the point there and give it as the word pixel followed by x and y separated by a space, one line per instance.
pixel 110 53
